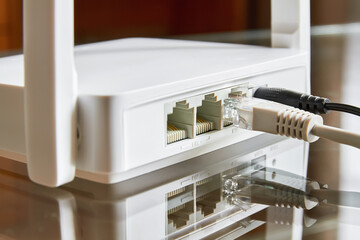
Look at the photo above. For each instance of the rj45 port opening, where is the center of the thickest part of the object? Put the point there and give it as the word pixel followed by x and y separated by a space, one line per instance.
pixel 200 114
pixel 180 123
pixel 209 114
pixel 188 122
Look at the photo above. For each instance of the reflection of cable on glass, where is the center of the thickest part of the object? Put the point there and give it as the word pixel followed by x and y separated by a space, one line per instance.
pixel 275 197
pixel 282 216
pixel 276 187
pixel 259 188
pixel 334 197
pixel 280 179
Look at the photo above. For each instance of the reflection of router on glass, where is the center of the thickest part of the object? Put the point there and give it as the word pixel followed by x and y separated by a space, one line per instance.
pixel 217 200
pixel 123 108
pixel 180 201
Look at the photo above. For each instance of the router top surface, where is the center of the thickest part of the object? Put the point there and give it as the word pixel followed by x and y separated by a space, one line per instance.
pixel 127 65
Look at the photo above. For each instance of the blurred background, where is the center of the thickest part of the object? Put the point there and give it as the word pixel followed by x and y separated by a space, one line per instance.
pixel 335 50
pixel 110 19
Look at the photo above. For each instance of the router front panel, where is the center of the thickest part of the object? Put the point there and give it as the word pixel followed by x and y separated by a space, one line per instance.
pixel 117 142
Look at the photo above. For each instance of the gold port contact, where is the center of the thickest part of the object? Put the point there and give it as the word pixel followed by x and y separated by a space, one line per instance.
pixel 203 126
pixel 174 134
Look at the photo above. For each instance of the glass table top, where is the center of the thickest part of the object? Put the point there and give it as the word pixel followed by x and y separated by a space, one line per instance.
pixel 244 196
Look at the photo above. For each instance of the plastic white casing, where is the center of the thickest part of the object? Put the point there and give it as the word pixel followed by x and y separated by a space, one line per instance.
pixel 127 87
pixel 50 91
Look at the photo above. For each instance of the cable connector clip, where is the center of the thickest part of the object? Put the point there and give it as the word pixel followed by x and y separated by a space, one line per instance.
pixel 271 117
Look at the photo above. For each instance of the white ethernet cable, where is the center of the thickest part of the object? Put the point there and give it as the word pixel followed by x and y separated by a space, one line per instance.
pixel 275 118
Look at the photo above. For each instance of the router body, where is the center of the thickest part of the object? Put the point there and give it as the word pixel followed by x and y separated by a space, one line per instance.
pixel 130 90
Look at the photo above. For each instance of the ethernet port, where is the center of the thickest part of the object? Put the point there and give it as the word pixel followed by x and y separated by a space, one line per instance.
pixel 209 115
pixel 208 197
pixel 240 91
pixel 181 122
pixel 180 208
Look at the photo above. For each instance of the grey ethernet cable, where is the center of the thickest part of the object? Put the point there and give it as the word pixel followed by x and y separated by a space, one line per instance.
pixel 275 118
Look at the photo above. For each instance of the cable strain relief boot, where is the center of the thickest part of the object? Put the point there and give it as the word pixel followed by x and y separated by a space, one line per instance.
pixel 296 123
pixel 302 101
pixel 313 104
pixel 279 95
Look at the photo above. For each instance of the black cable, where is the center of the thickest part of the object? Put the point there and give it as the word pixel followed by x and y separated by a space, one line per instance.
pixel 303 101
pixel 343 108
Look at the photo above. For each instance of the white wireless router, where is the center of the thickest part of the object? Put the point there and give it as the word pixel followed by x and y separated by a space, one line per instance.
pixel 114 110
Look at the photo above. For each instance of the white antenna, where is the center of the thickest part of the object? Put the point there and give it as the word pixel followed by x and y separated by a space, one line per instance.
pixel 50 91
pixel 290 24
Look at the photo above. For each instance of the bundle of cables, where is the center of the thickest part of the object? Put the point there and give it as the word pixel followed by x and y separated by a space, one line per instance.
pixel 293 114
pixel 303 101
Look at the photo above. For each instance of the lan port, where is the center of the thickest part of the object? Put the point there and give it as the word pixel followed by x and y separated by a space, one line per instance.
pixel 188 122
pixel 209 115
pixel 180 123
pixel 180 208
pixel 208 197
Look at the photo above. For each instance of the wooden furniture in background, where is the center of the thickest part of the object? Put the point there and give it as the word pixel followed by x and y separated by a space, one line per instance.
pixel 10 25
pixel 110 19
